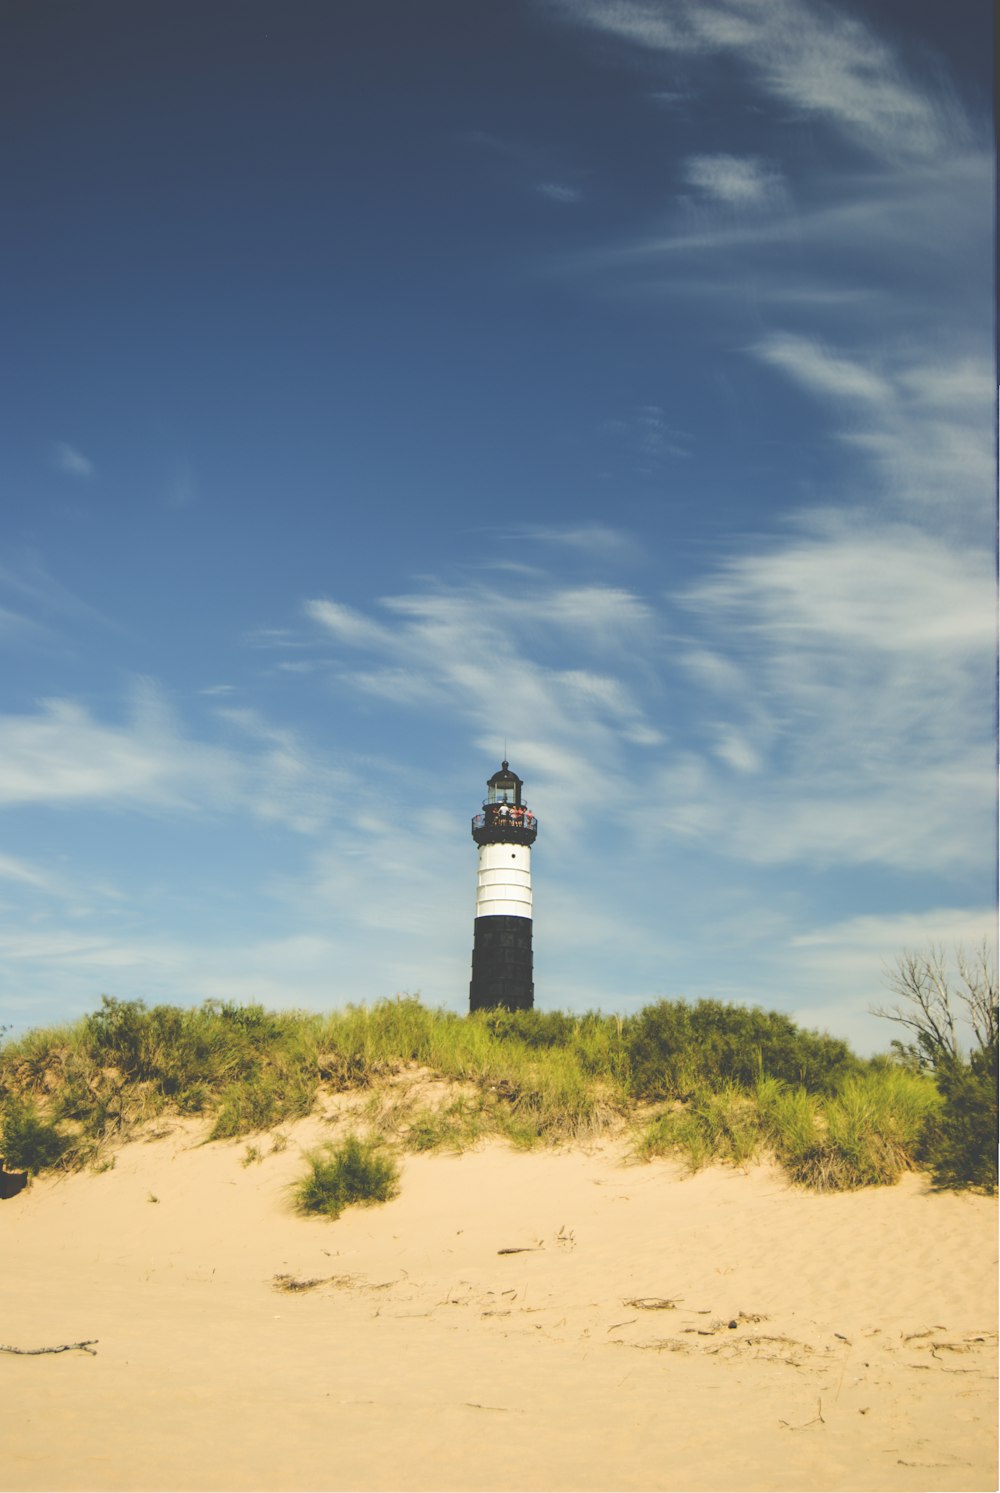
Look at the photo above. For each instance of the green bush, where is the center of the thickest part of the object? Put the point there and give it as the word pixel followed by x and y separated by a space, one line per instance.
pixel 722 1126
pixel 29 1143
pixel 356 1171
pixel 963 1151
pixel 941 1001
pixel 865 1135
pixel 533 1028
pixel 676 1049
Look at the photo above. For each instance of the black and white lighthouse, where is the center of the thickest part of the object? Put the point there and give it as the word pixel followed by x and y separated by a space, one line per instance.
pixel 501 952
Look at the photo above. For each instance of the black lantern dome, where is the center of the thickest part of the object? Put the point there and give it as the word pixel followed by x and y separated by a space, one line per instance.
pixel 505 818
pixel 504 787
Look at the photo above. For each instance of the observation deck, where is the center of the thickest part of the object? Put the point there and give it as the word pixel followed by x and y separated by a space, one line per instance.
pixel 504 824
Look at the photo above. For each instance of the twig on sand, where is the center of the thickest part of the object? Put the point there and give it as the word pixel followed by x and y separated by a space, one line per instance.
pixel 522 1249
pixel 817 1420
pixel 87 1347
pixel 654 1303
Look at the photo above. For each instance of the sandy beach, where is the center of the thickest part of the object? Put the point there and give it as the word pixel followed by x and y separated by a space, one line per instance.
pixel 560 1319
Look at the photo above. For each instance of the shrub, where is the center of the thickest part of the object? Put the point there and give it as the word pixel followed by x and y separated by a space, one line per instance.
pixel 723 1126
pixel 259 1103
pixel 676 1049
pixel 353 1172
pixel 936 1004
pixel 29 1143
pixel 865 1135
pixel 115 1034
pixel 533 1028
pixel 963 1151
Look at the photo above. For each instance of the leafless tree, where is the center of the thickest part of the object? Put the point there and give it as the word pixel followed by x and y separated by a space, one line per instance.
pixel 936 1000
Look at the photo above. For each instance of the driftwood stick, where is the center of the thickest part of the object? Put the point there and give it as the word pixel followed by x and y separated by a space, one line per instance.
pixel 87 1347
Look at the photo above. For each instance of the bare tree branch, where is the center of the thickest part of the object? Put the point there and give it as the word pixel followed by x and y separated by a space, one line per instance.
pixel 88 1347
pixel 933 1004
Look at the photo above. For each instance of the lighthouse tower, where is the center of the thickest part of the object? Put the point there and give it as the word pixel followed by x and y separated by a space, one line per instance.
pixel 501 952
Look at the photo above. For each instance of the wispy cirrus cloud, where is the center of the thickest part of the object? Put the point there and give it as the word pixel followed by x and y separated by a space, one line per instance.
pixel 558 191
pixel 923 425
pixel 347 625
pixel 62 755
pixel 12 868
pixel 487 655
pixel 39 607
pixel 739 181
pixel 596 541
pixel 894 233
pixel 532 165
pixel 848 669
pixel 808 362
pixel 71 461
pixel 817 61
pixel 840 677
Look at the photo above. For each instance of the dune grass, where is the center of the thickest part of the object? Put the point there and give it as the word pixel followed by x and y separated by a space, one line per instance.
pixel 341 1176
pixel 704 1081
pixel 872 1128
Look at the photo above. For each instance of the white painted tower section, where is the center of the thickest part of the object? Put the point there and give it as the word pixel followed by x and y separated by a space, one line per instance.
pixel 504 885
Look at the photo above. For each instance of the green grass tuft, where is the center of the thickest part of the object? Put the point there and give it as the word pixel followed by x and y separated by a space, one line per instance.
pixel 866 1133
pixel 356 1171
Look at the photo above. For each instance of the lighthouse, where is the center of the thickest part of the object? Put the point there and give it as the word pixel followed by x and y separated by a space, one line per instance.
pixel 501 951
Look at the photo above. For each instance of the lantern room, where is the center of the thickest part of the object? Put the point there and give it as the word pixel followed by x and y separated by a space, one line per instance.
pixel 505 818
pixel 504 787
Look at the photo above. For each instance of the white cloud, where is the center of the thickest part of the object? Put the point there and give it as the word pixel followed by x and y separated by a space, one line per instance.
pixel 925 426
pixel 13 869
pixel 596 540
pixel 846 673
pixel 740 181
pixel 68 460
pixel 63 756
pixel 892 589
pixel 557 191
pixel 734 748
pixel 281 780
pixel 44 603
pixel 808 56
pixel 848 245
pixel 810 363
pixel 855 667
pixel 938 927
pixel 480 655
pixel 347 625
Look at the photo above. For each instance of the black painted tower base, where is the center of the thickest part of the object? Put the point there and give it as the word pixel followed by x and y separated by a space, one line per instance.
pixel 501 965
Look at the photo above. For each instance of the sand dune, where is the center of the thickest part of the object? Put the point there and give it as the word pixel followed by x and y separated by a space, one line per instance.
pixel 414 1352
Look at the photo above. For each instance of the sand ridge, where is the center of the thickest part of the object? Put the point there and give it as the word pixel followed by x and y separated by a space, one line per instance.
pixel 554 1319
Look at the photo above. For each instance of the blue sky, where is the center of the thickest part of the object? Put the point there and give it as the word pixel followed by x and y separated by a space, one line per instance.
pixel 387 382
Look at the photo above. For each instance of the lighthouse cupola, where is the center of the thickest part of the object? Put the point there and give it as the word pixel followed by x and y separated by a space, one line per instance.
pixel 504 787
pixel 505 830
pixel 505 817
